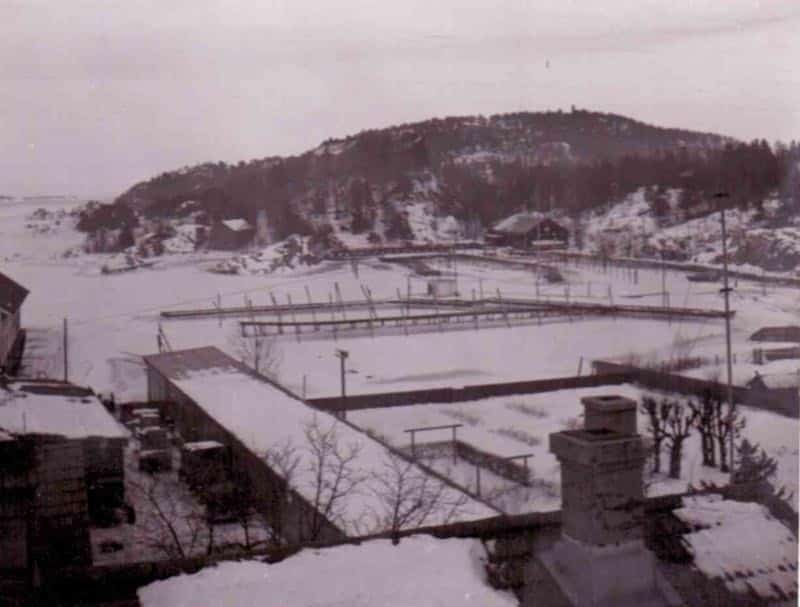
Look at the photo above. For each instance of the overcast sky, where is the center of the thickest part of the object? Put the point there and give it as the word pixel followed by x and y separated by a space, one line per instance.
pixel 96 95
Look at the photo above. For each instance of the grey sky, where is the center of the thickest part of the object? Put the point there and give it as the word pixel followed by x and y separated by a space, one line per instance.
pixel 97 95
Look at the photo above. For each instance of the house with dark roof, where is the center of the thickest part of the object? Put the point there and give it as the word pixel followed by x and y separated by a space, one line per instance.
pixel 524 230
pixel 230 234
pixel 12 295
pixel 61 469
pixel 782 334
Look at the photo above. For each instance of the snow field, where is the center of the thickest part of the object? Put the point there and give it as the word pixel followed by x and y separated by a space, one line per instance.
pixel 420 571
pixel 113 320
pixel 534 416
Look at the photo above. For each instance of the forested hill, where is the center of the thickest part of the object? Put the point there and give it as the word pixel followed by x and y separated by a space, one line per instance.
pixel 475 168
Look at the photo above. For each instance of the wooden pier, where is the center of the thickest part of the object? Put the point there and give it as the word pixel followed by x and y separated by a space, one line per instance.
pixel 438 314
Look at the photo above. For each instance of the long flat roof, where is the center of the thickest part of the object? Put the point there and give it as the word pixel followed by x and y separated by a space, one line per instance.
pixel 266 418
pixel 55 409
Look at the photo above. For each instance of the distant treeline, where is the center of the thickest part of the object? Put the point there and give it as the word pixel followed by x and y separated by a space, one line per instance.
pixel 476 168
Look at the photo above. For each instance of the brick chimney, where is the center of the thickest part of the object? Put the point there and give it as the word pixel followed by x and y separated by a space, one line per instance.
pixel 601 559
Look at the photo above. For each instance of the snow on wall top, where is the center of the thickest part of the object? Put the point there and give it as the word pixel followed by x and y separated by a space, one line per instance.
pixel 742 545
pixel 775 381
pixel 420 571
pixel 67 415
pixel 267 417
pixel 237 225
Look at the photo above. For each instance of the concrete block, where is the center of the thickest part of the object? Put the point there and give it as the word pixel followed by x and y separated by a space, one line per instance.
pixel 609 576
pixel 610 412
pixel 155 460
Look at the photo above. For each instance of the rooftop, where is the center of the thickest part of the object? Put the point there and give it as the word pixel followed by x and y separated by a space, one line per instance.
pixel 420 571
pixel 237 225
pixel 12 294
pixel 55 409
pixel 742 545
pixel 521 223
pixel 786 333
pixel 267 418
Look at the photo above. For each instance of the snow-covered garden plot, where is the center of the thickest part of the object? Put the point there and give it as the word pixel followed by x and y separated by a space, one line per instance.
pixel 169 521
pixel 515 425
pixel 420 571
pixel 469 356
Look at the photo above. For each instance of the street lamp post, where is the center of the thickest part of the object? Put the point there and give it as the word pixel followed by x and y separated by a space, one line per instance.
pixel 342 356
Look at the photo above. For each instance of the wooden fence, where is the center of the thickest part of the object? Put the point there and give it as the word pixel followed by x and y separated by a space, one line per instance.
pixel 466 393
pixel 784 401
pixel 657 264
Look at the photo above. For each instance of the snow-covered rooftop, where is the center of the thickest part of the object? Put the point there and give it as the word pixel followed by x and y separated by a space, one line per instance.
pixel 267 417
pixel 237 225
pixel 520 223
pixel 742 545
pixel 55 410
pixel 203 445
pixel 419 571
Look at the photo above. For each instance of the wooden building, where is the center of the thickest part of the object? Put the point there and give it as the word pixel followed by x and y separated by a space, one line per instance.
pixel 524 230
pixel 213 397
pixel 61 461
pixel 198 418
pixel 12 295
pixel 782 334
pixel 230 235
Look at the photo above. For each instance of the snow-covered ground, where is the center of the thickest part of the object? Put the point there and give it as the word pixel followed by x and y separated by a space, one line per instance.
pixel 420 571
pixel 164 505
pixel 630 227
pixel 113 319
pixel 515 425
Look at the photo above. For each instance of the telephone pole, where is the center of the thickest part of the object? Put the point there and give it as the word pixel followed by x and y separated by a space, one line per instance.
pixel 66 352
pixel 726 291
pixel 342 356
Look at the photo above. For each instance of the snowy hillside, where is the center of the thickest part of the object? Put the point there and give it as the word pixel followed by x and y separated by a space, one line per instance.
pixel 756 239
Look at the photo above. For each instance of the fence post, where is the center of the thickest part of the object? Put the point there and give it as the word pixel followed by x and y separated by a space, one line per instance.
pixel 454 445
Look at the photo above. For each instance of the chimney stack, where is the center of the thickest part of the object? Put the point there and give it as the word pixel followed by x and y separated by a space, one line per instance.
pixel 601 559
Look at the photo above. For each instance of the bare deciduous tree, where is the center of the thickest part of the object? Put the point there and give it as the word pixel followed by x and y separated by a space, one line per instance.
pixel 704 416
pixel 679 421
pixel 335 477
pixel 656 415
pixel 726 419
pixel 261 352
pixel 172 523
pixel 284 460
pixel 410 497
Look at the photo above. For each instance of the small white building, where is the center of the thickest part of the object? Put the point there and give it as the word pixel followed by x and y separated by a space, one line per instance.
pixel 443 287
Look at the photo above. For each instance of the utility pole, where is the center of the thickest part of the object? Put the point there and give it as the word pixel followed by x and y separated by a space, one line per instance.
pixel 726 290
pixel 66 352
pixel 342 355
